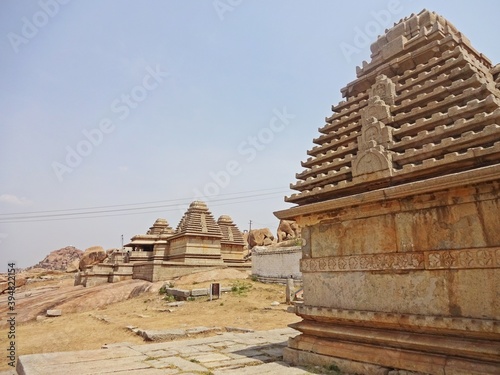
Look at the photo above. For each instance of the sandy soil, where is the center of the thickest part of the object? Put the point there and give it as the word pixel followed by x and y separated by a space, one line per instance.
pixel 248 307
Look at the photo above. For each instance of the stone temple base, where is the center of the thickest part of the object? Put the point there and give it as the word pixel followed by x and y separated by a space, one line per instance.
pixel 304 358
pixel 376 351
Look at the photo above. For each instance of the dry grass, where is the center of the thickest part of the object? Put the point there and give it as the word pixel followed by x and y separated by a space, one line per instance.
pixel 249 308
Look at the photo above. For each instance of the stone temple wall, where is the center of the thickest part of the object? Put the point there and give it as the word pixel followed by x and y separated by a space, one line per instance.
pixel 276 264
pixel 399 205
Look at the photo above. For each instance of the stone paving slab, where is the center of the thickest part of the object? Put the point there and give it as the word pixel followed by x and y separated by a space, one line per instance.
pixel 251 353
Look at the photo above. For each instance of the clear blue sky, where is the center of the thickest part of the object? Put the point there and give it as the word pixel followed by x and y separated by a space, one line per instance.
pixel 114 103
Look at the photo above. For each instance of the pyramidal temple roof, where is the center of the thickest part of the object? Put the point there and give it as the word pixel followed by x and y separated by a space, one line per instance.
pixel 198 220
pixel 230 233
pixel 160 227
pixel 427 104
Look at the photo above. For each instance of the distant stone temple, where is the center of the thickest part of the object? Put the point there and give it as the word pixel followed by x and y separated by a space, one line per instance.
pixel 399 207
pixel 198 243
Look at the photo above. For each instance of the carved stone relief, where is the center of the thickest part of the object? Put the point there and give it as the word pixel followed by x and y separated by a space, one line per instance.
pixel 376 136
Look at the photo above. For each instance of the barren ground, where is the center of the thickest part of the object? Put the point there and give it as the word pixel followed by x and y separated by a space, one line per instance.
pixel 249 307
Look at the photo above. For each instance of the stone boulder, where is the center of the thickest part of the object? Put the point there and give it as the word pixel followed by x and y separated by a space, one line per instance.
pixel 73 266
pixel 58 260
pixel 260 237
pixel 92 255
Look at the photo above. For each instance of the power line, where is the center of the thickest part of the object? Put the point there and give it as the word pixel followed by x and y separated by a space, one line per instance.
pixel 134 204
pixel 152 209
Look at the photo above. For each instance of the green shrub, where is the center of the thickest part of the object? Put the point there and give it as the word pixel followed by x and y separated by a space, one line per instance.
pixel 240 287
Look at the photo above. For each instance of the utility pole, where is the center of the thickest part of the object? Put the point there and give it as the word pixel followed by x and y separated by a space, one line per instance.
pixel 122 242
pixel 250 226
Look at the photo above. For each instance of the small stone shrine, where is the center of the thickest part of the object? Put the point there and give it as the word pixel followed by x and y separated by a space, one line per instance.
pixel 400 212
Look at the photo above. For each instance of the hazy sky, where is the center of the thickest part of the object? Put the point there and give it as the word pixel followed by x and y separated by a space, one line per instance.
pixel 129 110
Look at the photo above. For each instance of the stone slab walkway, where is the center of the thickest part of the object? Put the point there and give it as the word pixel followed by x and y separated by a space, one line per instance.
pixel 230 353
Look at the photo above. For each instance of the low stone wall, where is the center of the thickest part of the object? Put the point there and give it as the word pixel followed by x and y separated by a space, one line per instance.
pixel 170 270
pixel 276 264
pixel 143 271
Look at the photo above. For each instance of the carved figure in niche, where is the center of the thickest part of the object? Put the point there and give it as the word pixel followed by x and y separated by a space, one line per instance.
pixel 377 109
pixel 372 160
pixel 369 163
pixel 372 134
pixel 375 141
pixel 384 88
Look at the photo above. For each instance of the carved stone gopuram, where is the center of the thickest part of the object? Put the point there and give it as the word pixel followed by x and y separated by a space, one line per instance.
pixel 399 207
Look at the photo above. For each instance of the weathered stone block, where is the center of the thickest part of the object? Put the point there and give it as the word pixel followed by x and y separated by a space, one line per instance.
pixel 182 293
pixel 199 292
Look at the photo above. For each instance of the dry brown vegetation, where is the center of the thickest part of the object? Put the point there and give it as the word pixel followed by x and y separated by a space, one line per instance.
pixel 248 307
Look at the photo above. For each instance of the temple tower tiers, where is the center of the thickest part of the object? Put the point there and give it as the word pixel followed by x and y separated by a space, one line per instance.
pixel 400 213
pixel 197 237
pixel 232 243
pixel 160 226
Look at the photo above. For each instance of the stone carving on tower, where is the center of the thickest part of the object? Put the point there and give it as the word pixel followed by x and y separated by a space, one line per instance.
pixel 376 136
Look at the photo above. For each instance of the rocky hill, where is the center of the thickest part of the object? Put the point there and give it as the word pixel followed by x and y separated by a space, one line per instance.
pixel 59 260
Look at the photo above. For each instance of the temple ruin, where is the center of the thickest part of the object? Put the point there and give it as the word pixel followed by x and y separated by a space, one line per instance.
pixel 399 209
pixel 199 242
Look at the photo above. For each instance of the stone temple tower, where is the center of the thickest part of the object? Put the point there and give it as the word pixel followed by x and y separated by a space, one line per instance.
pixel 400 212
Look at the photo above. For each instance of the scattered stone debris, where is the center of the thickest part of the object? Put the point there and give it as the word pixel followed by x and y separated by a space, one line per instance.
pixel 165 310
pixel 184 294
pixel 178 293
pixel 173 334
pixel 176 304
pixel 237 329
pixel 53 313
pixel 132 328
pixel 275 303
pixel 104 319
pixel 161 335
pixel 200 330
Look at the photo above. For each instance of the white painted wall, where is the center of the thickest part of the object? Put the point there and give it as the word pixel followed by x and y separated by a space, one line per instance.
pixel 276 263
